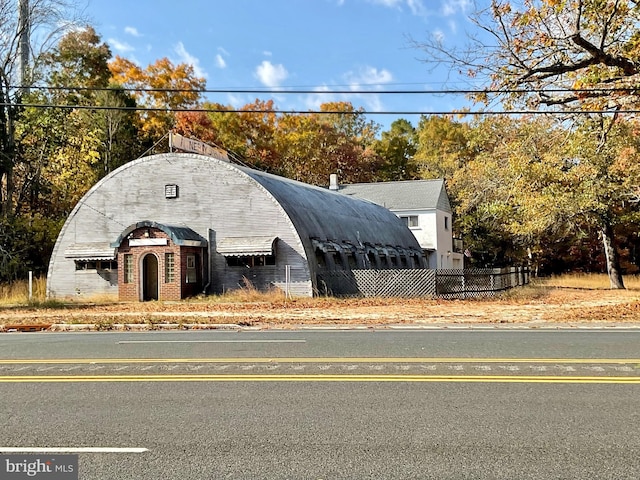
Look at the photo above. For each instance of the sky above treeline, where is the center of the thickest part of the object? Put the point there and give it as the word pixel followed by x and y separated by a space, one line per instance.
pixel 340 47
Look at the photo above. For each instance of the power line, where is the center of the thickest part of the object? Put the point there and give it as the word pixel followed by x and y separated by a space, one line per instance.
pixel 297 91
pixel 319 112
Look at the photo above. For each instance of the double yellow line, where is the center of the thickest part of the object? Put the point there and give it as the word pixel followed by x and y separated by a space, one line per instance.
pixel 346 360
pixel 386 378
pixel 389 378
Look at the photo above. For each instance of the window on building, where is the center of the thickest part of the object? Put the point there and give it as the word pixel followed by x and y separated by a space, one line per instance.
pixel 352 261
pixel 169 268
pixel 373 262
pixel 410 220
pixel 128 268
pixel 320 258
pixel 86 265
pixel 96 265
pixel 171 191
pixel 446 223
pixel 251 261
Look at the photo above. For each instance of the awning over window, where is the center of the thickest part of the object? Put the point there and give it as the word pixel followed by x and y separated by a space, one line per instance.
pixel 246 246
pixel 90 251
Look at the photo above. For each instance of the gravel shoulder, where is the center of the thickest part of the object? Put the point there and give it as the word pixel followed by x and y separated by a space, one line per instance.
pixel 556 306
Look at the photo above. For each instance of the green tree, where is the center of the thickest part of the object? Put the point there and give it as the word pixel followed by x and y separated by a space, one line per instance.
pixel 397 148
pixel 442 146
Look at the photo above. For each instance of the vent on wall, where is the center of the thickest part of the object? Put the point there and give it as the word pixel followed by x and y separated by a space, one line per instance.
pixel 171 191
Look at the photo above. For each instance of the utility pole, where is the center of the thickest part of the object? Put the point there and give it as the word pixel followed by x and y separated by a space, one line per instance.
pixel 24 28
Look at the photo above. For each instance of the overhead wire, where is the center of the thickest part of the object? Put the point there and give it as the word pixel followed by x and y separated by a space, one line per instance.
pixel 318 112
pixel 288 90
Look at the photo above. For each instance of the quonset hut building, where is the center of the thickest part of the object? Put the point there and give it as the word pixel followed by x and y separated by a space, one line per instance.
pixel 174 225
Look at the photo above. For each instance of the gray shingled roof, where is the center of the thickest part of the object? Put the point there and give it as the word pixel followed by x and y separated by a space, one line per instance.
pixel 404 195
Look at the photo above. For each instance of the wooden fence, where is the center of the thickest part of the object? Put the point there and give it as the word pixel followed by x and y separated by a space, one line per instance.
pixel 468 283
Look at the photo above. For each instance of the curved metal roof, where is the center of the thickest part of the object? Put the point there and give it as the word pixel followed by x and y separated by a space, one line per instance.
pixel 327 215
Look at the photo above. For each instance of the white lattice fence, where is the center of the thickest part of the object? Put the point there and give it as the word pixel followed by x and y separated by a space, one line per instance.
pixel 379 283
pixel 421 283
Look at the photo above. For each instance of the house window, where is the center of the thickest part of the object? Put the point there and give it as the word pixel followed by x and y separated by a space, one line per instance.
pixel 251 261
pixel 128 268
pixel 446 223
pixel 169 267
pixel 410 220
pixel 86 265
pixel 192 274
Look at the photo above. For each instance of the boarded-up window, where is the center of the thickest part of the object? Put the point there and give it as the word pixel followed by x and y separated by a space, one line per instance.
pixel 169 268
pixel 128 268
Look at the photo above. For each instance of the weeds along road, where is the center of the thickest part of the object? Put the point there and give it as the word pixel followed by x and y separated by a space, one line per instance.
pixel 326 404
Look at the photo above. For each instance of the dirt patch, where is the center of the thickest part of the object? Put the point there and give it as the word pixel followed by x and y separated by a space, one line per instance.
pixel 550 306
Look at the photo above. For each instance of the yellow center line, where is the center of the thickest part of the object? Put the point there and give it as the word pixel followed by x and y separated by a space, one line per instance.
pixel 91 361
pixel 321 378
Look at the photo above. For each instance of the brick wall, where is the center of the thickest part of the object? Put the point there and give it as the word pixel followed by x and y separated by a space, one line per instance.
pixel 175 290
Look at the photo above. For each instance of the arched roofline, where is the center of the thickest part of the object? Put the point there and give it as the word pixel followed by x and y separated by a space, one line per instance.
pixel 179 235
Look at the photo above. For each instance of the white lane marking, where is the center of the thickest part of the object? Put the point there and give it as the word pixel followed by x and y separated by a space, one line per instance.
pixel 130 342
pixel 71 450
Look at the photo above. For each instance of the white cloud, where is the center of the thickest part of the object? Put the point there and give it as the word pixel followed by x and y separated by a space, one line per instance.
pixel 388 3
pixel 415 6
pixel 133 31
pixel 271 75
pixel 119 46
pixel 220 62
pixel 368 76
pixel 452 7
pixel 186 57
pixel 438 35
pixel 360 80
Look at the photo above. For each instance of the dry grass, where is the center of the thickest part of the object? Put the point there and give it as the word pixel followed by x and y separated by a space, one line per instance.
pixel 566 299
pixel 588 281
pixel 17 293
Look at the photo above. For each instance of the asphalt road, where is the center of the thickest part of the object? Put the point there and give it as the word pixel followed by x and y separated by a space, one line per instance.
pixel 506 404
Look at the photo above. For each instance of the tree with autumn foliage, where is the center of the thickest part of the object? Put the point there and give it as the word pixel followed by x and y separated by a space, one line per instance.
pixel 159 90
pixel 442 146
pixel 576 56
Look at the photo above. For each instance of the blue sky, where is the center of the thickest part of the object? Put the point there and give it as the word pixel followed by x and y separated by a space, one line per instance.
pixel 304 44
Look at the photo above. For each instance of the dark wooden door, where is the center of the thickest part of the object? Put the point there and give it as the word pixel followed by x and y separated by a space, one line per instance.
pixel 150 278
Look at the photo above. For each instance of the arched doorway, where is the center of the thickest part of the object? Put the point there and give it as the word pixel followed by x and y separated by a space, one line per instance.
pixel 150 281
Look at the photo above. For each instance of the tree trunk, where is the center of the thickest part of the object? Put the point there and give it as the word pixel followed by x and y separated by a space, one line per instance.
pixel 611 254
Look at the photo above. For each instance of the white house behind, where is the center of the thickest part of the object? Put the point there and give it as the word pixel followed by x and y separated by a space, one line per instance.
pixel 425 208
